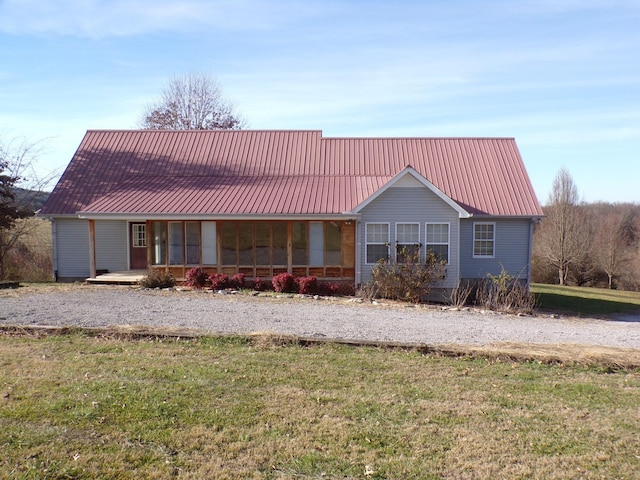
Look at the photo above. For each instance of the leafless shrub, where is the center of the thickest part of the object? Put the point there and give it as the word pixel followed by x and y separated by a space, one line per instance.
pixel 409 280
pixel 504 293
pixel 460 295
pixel 157 278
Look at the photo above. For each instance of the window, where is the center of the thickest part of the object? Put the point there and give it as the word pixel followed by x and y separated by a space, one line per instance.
pixel 228 243
pixel 263 244
pixel 159 243
pixel 299 243
pixel 332 244
pixel 176 244
pixel 192 241
pixel 316 243
pixel 209 243
pixel 245 243
pixel 279 251
pixel 139 233
pixel 484 239
pixel 438 240
pixel 407 241
pixel 377 238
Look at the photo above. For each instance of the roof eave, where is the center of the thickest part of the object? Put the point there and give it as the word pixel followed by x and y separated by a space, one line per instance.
pixel 215 216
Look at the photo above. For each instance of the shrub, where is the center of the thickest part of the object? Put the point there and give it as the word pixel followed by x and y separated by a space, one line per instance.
pixel 219 281
pixel 259 285
pixel 308 285
pixel 197 278
pixel 284 283
pixel 505 294
pixel 459 296
pixel 157 278
pixel 409 280
pixel 329 289
pixel 237 281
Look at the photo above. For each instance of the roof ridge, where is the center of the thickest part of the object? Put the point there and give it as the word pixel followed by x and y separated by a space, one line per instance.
pixel 248 130
pixel 418 138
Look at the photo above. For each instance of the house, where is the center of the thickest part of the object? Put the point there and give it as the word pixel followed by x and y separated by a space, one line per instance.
pixel 267 202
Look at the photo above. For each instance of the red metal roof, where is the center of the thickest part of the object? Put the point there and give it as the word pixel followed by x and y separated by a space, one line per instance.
pixel 248 172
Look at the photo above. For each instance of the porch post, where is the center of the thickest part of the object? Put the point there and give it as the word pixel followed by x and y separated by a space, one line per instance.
pixel 92 249
pixel 150 242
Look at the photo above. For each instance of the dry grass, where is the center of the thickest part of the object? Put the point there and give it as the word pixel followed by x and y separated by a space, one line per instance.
pixel 78 406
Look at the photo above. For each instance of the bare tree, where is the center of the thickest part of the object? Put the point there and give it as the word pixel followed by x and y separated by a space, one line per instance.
pixel 192 102
pixel 562 236
pixel 20 189
pixel 609 245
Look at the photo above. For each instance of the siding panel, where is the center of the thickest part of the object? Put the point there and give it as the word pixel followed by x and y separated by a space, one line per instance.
pixel 72 243
pixel 511 249
pixel 112 245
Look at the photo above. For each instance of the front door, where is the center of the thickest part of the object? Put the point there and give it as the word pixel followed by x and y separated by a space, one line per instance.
pixel 138 246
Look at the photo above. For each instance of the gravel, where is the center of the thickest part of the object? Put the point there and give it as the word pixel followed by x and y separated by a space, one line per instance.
pixel 103 306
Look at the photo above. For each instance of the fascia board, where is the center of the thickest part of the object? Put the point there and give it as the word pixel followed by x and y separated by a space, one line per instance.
pixel 199 216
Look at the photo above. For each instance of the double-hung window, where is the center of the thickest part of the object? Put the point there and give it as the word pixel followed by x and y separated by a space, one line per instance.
pixel 377 239
pixel 407 242
pixel 484 235
pixel 438 240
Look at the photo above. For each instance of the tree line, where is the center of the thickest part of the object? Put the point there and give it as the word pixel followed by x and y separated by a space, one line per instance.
pixel 586 244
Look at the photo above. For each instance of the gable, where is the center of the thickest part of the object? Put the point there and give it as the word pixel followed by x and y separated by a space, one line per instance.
pixel 409 178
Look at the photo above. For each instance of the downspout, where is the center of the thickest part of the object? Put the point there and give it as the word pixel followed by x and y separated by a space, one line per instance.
pixel 458 259
pixel 92 249
pixel 54 247
pixel 358 254
pixel 529 265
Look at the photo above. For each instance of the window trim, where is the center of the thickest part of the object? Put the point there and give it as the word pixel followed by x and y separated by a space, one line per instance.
pixel 137 237
pixel 473 244
pixel 448 244
pixel 367 243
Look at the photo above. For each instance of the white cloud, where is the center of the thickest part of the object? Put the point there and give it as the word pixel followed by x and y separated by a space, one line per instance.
pixel 108 18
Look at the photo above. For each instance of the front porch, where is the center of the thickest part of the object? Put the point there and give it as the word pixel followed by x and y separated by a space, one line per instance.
pixel 125 277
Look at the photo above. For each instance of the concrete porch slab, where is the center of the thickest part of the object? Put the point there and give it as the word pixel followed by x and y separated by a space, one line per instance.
pixel 125 277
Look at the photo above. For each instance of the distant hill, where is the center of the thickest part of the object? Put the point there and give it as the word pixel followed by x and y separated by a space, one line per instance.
pixel 34 198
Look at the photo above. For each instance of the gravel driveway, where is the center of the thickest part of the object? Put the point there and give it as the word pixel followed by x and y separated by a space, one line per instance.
pixel 101 306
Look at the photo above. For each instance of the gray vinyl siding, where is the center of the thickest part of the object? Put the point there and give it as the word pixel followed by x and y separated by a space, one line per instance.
pixel 72 245
pixel 410 205
pixel 511 249
pixel 112 245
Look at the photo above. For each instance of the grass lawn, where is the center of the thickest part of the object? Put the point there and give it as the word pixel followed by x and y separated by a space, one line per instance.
pixel 76 406
pixel 585 301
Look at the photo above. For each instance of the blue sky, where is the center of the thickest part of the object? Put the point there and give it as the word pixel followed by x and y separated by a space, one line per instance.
pixel 561 76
